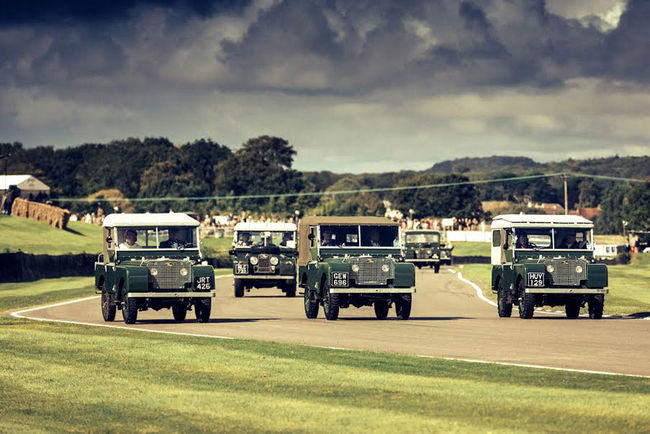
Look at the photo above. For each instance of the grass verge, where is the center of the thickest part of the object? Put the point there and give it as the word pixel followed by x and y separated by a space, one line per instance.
pixel 629 292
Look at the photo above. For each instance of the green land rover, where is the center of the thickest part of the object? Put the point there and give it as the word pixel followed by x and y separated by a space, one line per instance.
pixel 540 260
pixel 354 261
pixel 153 261
pixel 424 248
pixel 264 256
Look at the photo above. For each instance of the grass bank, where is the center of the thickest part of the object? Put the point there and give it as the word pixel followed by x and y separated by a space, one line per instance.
pixel 30 236
pixel 629 287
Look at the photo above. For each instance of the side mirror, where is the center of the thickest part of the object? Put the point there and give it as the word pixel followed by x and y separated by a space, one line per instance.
pixel 311 236
pixel 109 240
pixel 231 252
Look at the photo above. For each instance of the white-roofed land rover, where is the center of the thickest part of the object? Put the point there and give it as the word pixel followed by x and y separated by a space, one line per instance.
pixel 264 256
pixel 153 261
pixel 353 261
pixel 541 260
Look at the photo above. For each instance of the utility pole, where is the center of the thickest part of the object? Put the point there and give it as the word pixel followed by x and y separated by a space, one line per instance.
pixel 566 195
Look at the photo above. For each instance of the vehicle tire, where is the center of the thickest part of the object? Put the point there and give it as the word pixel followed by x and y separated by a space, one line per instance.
pixel 526 302
pixel 436 268
pixel 179 311
pixel 130 310
pixel 239 288
pixel 311 306
pixel 330 303
pixel 572 309
pixel 202 308
pixel 596 304
pixel 504 308
pixel 108 308
pixel 403 306
pixel 381 309
pixel 290 288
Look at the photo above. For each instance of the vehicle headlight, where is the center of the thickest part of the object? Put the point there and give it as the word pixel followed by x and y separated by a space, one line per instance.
pixel 579 269
pixel 385 268
pixel 275 260
pixel 355 268
pixel 254 260
pixel 154 271
pixel 183 272
pixel 550 268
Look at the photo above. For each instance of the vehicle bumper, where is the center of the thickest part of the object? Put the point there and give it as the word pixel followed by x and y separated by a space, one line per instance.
pixel 171 294
pixel 381 290
pixel 588 291
pixel 264 277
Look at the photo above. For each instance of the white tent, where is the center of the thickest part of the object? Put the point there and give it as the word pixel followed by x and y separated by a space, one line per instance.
pixel 27 184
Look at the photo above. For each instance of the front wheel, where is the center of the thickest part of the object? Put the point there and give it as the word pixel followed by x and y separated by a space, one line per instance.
pixel 179 311
pixel 436 268
pixel 330 303
pixel 403 306
pixel 130 310
pixel 596 304
pixel 381 309
pixel 108 307
pixel 504 306
pixel 290 288
pixel 572 309
pixel 311 305
pixel 202 308
pixel 526 302
pixel 239 288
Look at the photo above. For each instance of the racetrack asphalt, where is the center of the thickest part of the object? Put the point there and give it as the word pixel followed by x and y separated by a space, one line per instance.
pixel 448 319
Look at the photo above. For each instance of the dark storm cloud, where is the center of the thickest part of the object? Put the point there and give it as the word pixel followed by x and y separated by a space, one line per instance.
pixel 44 11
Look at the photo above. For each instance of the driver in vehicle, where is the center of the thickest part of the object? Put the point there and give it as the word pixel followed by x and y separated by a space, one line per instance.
pixel 522 242
pixel 175 240
pixel 244 239
pixel 130 240
pixel 374 238
pixel 326 239
pixel 570 241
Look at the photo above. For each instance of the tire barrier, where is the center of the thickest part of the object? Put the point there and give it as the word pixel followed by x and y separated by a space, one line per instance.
pixel 52 215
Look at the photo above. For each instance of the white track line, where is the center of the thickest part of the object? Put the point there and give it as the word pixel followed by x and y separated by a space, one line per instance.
pixel 479 291
pixel 19 314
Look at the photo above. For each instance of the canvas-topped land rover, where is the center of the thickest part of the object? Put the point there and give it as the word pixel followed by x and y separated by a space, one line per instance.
pixel 153 261
pixel 424 248
pixel 540 260
pixel 356 261
pixel 264 256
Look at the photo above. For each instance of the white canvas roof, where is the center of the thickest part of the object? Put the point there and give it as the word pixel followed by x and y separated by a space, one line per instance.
pixel 27 183
pixel 149 219
pixel 523 220
pixel 246 226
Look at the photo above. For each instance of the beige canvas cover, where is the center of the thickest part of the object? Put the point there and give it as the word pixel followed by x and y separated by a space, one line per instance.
pixel 306 222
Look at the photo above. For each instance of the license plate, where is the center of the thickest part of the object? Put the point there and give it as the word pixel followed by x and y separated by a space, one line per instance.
pixel 241 269
pixel 535 278
pixel 204 283
pixel 340 279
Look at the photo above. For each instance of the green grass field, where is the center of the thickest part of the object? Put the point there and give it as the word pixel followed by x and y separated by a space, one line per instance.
pixel 18 233
pixel 469 248
pixel 629 287
pixel 216 246
pixel 151 383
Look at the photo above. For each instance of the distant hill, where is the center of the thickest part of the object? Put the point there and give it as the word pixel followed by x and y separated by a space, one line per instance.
pixel 484 164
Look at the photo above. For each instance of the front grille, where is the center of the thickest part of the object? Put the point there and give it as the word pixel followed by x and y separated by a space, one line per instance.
pixel 370 272
pixel 263 264
pixel 564 272
pixel 169 274
pixel 422 253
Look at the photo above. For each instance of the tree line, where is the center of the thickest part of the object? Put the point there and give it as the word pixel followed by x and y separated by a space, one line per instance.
pixel 154 167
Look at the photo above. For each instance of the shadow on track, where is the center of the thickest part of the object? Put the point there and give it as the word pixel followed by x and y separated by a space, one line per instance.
pixel 211 321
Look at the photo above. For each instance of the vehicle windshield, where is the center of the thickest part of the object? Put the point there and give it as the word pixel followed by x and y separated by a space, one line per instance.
pixel 533 238
pixel 266 238
pixel 174 237
pixel 359 236
pixel 570 238
pixel 423 238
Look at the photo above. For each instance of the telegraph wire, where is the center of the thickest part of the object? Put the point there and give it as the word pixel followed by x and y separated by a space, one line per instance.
pixel 345 192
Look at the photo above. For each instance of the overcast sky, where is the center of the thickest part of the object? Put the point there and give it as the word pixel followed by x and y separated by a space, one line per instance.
pixel 363 85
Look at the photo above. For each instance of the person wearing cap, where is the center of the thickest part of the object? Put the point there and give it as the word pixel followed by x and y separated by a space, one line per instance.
pixel 130 240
